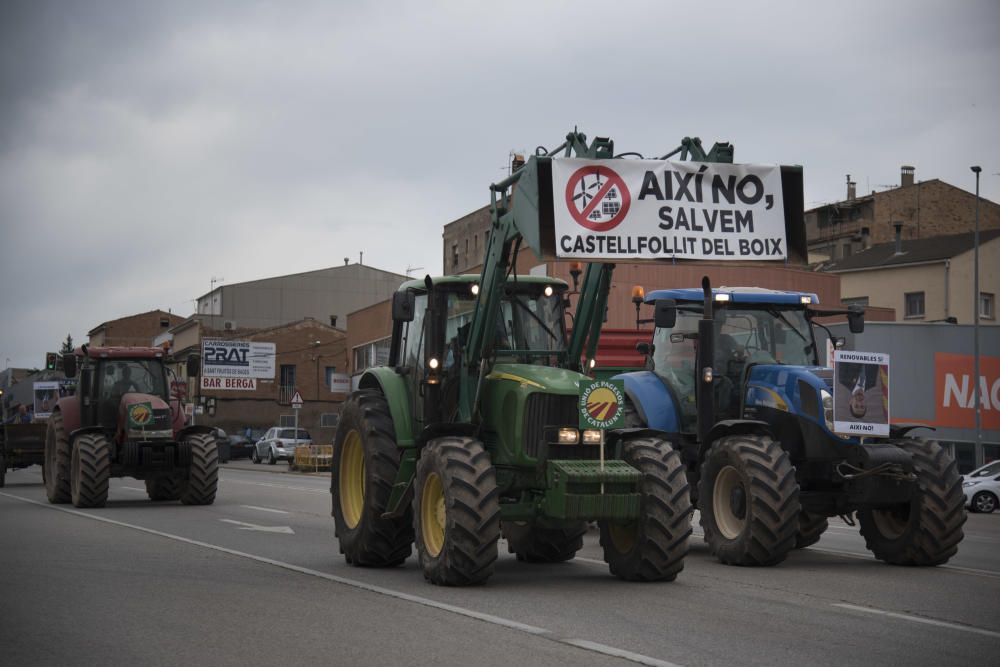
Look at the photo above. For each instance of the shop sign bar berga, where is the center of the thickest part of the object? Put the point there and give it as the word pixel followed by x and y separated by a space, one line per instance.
pixel 658 209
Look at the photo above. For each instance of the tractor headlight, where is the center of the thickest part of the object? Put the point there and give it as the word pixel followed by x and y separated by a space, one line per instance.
pixel 591 437
pixel 568 436
pixel 827 398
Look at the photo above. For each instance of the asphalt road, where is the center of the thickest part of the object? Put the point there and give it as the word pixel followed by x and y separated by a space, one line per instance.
pixel 257 579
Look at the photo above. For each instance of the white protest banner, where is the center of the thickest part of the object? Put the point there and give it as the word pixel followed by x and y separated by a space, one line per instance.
pixel 237 358
pixel 657 209
pixel 861 393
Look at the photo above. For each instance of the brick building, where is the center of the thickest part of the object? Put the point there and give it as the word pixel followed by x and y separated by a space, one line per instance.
pixel 133 330
pixel 310 357
pixel 924 209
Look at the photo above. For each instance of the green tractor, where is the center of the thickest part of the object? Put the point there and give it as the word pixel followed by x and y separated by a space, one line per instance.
pixel 471 431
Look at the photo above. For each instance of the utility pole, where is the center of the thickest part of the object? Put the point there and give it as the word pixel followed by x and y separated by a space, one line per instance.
pixel 976 397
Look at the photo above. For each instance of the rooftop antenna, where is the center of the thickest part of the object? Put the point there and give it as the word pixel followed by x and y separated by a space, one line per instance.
pixel 412 268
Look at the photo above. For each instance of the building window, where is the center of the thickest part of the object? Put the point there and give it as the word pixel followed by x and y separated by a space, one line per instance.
pixel 371 354
pixel 991 453
pixel 964 454
pixel 914 304
pixel 855 301
pixel 986 306
pixel 454 255
pixel 287 387
pixel 286 421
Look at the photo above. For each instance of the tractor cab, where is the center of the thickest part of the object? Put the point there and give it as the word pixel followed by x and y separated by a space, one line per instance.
pixel 432 319
pixel 751 327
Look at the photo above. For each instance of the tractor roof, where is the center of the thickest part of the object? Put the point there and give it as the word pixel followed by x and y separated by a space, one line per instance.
pixel 120 352
pixel 736 295
pixel 470 279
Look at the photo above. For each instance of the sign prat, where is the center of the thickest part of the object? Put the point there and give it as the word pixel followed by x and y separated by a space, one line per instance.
pixel 140 415
pixel 602 404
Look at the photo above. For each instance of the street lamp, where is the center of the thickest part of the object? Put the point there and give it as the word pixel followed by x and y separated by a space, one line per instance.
pixel 976 402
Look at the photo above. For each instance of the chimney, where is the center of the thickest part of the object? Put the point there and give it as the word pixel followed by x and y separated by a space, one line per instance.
pixel 347 261
pixel 333 320
pixel 516 162
pixel 905 175
pixel 899 237
pixel 852 192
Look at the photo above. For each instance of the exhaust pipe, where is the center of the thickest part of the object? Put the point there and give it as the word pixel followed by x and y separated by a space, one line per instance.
pixel 705 394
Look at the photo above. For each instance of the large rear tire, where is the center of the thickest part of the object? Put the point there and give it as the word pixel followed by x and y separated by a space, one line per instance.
pixel 364 467
pixel 203 473
pixel 653 546
pixel 749 500
pixel 927 530
pixel 163 488
pixel 456 512
pixel 90 470
pixel 544 542
pixel 811 528
pixel 55 466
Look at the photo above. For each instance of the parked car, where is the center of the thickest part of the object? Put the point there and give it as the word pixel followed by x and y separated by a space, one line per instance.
pixel 982 488
pixel 279 444
pixel 240 446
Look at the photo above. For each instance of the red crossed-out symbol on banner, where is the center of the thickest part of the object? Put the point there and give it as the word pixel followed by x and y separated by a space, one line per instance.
pixel 597 198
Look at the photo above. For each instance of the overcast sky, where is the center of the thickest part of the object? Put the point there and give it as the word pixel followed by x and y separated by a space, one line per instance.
pixel 146 148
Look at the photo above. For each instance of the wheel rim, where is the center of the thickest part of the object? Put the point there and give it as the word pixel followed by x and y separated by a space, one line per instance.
pixel 623 536
pixel 892 523
pixel 352 479
pixel 432 515
pixel 729 503
pixel 984 503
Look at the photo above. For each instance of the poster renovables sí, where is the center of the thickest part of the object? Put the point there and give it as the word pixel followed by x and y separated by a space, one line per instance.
pixel 861 393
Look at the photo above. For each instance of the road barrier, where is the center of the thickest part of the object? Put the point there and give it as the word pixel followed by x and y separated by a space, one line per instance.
pixel 313 458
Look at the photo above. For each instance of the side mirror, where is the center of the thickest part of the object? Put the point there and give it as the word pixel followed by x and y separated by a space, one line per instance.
pixel 403 306
pixel 856 319
pixel 644 349
pixel 193 366
pixel 665 315
pixel 69 365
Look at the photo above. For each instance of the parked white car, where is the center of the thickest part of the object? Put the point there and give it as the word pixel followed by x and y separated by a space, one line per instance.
pixel 982 488
pixel 279 444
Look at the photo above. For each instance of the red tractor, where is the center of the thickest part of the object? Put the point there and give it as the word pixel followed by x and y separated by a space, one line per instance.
pixel 123 422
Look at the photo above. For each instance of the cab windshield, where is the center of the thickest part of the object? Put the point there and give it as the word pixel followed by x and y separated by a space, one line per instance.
pixel 531 324
pixel 121 376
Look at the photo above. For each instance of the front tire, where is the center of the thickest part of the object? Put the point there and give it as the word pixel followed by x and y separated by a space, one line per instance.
pixel 928 530
pixel 163 488
pixel 749 500
pixel 456 512
pixel 811 528
pixel 90 470
pixel 653 546
pixel 364 467
pixel 203 473
pixel 540 541
pixel 984 502
pixel 56 465
pixel 255 456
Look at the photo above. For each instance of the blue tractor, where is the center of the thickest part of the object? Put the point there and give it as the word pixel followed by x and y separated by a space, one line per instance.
pixel 733 377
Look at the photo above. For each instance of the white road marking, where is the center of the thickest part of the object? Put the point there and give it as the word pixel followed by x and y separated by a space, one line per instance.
pixel 265 509
pixel 243 525
pixel 276 486
pixel 919 619
pixel 379 590
pixel 133 488
pixel 619 653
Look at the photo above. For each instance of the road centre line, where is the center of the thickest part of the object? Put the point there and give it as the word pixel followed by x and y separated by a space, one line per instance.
pixel 379 590
pixel 276 486
pixel 264 509
pixel 919 619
